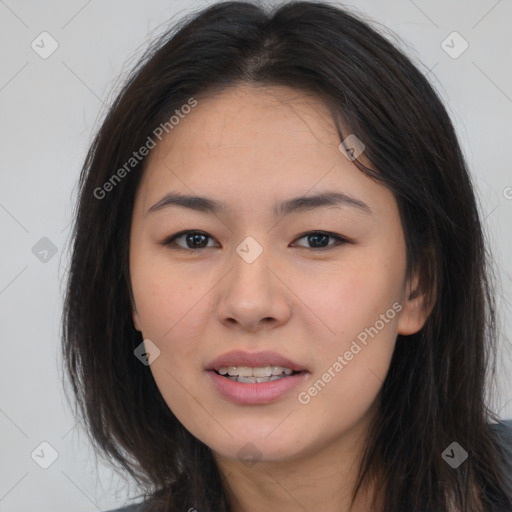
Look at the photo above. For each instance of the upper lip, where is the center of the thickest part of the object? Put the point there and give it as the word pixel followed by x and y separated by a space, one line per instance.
pixel 255 359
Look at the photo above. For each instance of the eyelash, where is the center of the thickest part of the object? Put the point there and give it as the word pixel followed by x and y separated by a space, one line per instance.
pixel 170 241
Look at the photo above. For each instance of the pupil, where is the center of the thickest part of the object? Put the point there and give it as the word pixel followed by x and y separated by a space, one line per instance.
pixel 319 235
pixel 195 238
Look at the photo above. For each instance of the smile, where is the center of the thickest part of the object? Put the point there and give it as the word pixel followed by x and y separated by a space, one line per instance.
pixel 253 375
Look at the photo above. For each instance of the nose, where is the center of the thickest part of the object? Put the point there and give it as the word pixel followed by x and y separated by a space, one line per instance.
pixel 254 295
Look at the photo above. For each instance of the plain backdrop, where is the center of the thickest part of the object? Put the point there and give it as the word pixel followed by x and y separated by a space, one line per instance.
pixel 49 109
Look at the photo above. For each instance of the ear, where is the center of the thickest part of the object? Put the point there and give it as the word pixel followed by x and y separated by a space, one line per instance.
pixel 135 313
pixel 417 306
pixel 136 321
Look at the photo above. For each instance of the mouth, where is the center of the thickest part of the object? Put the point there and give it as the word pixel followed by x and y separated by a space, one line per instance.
pixel 253 368
pixel 257 378
pixel 255 375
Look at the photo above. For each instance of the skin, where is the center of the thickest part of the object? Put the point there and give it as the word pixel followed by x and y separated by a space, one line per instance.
pixel 251 147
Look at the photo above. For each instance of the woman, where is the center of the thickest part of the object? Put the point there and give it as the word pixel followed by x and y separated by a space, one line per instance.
pixel 278 295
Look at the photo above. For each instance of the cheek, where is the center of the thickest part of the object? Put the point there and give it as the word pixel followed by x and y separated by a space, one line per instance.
pixel 168 300
pixel 350 371
pixel 173 311
pixel 351 296
pixel 359 305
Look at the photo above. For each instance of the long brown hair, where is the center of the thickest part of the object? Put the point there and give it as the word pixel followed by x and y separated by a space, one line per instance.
pixel 434 392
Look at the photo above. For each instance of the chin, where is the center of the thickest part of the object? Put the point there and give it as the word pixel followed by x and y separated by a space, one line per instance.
pixel 251 445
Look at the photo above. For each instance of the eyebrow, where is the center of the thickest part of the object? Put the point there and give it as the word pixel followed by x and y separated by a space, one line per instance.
pixel 293 205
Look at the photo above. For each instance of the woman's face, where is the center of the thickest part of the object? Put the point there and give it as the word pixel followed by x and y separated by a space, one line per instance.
pixel 260 280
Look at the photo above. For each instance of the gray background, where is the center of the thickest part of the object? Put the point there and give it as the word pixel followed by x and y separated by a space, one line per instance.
pixel 49 110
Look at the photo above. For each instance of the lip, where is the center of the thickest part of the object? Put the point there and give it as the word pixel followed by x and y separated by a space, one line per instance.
pixel 243 393
pixel 256 359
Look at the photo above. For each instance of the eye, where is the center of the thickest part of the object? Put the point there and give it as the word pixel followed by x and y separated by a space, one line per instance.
pixel 319 239
pixel 194 240
pixel 197 240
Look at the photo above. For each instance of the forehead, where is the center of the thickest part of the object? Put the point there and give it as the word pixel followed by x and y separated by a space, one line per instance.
pixel 247 108
pixel 246 117
pixel 247 142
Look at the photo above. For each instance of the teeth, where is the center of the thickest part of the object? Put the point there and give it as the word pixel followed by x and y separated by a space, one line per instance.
pixel 262 371
pixel 254 380
pixel 241 371
pixel 258 372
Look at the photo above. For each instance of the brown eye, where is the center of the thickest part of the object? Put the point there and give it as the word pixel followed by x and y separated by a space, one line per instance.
pixel 320 239
pixel 193 240
pixel 196 240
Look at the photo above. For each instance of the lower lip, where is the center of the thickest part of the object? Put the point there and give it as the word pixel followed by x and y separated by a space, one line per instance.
pixel 253 394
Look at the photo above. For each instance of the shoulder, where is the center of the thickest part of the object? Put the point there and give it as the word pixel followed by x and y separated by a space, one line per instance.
pixel 503 432
pixel 503 435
